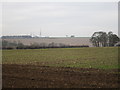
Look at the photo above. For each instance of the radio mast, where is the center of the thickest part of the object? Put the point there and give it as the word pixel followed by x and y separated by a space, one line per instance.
pixel 40 32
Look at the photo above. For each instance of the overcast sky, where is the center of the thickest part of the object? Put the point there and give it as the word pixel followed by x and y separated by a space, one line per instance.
pixel 81 19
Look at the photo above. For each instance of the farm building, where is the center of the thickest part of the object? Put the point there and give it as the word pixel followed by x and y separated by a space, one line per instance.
pixel 72 41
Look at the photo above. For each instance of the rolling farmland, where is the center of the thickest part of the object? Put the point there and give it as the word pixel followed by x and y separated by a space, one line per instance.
pixel 58 44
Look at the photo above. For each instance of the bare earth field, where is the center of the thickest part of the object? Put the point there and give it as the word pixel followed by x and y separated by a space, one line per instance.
pixel 35 76
pixel 64 40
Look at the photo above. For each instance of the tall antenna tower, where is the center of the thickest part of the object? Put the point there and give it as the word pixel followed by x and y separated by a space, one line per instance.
pixel 40 32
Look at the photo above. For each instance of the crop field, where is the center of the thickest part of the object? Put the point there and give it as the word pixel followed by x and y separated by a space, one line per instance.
pixel 64 57
pixel 61 67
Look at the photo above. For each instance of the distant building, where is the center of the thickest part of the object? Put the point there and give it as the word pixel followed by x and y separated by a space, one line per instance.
pixel 72 36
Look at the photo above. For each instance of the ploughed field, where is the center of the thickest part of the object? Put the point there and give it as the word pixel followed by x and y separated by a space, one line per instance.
pixel 61 68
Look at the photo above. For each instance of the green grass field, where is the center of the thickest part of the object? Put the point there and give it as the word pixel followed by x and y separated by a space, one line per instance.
pixel 105 58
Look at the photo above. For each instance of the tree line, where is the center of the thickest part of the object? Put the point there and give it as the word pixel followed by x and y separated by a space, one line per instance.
pixel 103 39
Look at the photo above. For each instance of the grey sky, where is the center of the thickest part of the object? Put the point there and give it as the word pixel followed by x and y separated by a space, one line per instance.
pixel 81 19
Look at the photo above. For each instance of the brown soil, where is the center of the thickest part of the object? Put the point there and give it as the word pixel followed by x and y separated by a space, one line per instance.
pixel 32 76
